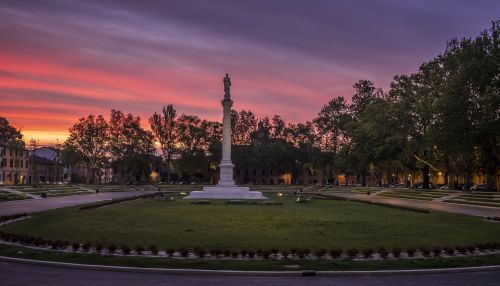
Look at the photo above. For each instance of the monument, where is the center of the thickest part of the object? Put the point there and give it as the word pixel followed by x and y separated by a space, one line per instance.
pixel 226 188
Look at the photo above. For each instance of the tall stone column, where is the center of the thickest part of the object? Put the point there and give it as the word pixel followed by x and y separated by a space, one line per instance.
pixel 226 188
pixel 226 166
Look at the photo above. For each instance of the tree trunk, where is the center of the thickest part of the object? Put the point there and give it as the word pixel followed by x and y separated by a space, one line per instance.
pixel 425 175
pixel 468 179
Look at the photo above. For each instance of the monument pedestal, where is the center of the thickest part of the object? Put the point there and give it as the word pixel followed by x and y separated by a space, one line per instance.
pixel 226 189
pixel 226 193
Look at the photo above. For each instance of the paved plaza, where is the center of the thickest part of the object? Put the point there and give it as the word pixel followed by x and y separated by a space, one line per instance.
pixel 36 205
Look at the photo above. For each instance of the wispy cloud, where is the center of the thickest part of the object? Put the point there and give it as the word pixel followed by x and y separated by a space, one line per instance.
pixel 60 60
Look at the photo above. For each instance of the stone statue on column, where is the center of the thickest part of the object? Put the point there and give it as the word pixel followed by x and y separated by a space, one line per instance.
pixel 227 87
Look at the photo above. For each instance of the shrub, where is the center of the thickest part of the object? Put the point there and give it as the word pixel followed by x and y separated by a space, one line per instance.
pixel 320 253
pixel 396 252
pixel 266 254
pixel 56 244
pixel 449 250
pixel 227 252
pixel 258 252
pixel 383 253
pixel 480 247
pixel 293 250
pixel 285 254
pixel 75 246
pixel 153 250
pixel 495 246
pixel 307 251
pixel 234 254
pixel 353 252
pixel 215 252
pixel 86 246
pixel 411 251
pixel 200 252
pixel 126 249
pixel 251 253
pixel 436 251
pixel 98 247
pixel 274 250
pixel 139 249
pixel 184 252
pixel 170 251
pixel 244 252
pixel 300 253
pixel 367 253
pixel 461 249
pixel 425 251
pixel 36 242
pixel 335 253
pixel 111 248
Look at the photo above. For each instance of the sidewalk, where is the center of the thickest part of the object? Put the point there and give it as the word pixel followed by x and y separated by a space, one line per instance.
pixel 436 206
pixel 28 206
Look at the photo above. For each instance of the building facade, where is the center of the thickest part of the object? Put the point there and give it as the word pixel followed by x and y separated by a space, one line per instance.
pixel 14 165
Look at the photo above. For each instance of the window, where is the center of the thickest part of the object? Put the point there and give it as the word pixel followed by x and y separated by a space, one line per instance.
pixel 263 173
pixel 246 172
pixel 11 162
pixel 22 164
pixel 254 172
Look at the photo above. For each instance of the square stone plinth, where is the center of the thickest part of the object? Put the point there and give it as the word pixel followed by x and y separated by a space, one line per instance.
pixel 226 193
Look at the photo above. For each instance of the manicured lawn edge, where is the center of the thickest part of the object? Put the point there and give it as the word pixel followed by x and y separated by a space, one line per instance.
pixel 93 259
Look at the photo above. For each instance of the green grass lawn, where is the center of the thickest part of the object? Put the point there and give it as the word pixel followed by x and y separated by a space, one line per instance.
pixel 316 224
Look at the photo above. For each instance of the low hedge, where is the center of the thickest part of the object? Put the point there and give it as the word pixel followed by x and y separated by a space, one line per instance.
pixel 116 201
pixel 299 253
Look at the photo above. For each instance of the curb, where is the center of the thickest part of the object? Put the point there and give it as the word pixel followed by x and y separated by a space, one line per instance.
pixel 184 271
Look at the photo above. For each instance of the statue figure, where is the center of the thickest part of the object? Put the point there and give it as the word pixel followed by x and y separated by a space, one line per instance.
pixel 227 84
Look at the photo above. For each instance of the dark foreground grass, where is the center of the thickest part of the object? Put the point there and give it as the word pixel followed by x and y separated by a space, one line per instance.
pixel 21 252
pixel 318 224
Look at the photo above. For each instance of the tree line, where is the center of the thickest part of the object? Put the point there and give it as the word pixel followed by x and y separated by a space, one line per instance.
pixel 444 117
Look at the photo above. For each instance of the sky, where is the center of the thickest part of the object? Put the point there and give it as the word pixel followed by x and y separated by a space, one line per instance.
pixel 61 60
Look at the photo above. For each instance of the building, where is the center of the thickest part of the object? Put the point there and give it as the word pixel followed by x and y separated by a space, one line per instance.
pixel 45 166
pixel 14 165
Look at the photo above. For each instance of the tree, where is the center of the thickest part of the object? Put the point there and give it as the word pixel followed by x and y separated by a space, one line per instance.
pixel 331 124
pixel 305 152
pixel 165 130
pixel 243 124
pixel 193 146
pixel 361 149
pixel 8 133
pixel 89 137
pixel 70 158
pixel 131 147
